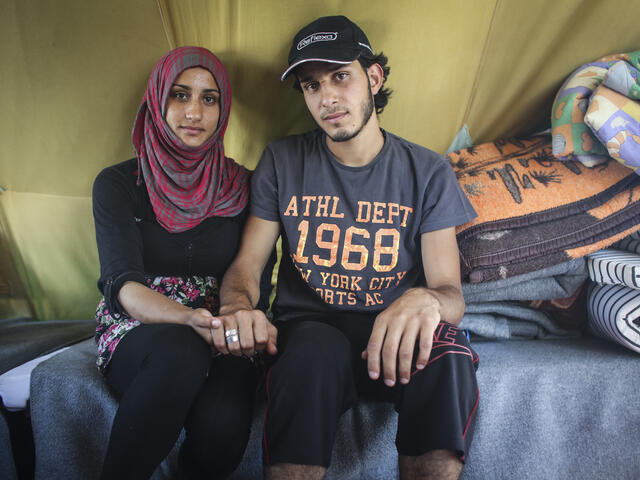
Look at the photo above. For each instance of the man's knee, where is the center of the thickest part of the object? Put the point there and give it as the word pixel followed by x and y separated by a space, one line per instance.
pixel 290 471
pixel 308 388
pixel 437 408
pixel 436 465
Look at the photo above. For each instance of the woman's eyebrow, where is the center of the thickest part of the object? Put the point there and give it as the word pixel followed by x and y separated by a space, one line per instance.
pixel 187 87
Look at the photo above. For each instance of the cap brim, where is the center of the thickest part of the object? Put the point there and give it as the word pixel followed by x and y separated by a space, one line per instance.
pixel 304 60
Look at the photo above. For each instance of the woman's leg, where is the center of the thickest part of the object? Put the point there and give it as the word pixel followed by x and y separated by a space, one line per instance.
pixel 219 422
pixel 157 370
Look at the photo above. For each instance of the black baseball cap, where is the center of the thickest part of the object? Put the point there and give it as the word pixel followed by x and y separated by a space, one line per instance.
pixel 333 39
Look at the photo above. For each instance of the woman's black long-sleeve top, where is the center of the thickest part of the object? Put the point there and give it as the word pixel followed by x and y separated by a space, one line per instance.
pixel 132 245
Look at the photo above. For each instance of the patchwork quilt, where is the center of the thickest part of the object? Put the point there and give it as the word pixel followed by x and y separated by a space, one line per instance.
pixel 596 112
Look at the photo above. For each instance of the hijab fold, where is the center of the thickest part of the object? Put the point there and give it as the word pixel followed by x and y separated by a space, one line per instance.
pixel 186 184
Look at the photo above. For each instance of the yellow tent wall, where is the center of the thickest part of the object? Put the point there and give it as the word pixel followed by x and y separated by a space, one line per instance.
pixel 73 73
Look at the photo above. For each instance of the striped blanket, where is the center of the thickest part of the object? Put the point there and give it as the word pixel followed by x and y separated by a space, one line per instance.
pixel 614 296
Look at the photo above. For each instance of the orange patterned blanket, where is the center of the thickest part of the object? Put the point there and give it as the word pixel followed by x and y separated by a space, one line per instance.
pixel 535 211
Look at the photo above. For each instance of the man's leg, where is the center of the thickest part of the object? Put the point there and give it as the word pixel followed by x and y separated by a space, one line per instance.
pixel 437 409
pixel 308 389
pixel 291 471
pixel 436 465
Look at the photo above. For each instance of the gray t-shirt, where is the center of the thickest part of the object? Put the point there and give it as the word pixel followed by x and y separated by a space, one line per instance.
pixel 351 235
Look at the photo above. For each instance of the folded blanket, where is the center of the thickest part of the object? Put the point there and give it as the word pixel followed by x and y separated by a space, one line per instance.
pixel 572 137
pixel 510 320
pixel 630 243
pixel 534 211
pixel 557 281
pixel 615 267
pixel 614 314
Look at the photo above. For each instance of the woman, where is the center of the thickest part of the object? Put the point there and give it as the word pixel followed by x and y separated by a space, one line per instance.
pixel 168 224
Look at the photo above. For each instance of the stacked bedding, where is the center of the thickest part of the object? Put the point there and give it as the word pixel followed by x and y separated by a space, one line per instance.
pixel 538 218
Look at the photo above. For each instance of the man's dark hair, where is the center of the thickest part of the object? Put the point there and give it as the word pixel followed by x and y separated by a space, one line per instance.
pixel 381 98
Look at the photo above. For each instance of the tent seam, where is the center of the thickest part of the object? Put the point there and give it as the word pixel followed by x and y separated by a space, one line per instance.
pixel 485 48
pixel 166 23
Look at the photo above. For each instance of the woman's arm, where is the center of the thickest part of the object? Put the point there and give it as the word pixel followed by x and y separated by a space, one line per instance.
pixel 148 306
pixel 120 248
pixel 118 237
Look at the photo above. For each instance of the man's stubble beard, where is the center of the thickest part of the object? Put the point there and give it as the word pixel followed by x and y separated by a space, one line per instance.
pixel 367 110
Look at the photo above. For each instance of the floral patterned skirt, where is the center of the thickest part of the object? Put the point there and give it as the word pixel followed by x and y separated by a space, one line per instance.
pixel 193 292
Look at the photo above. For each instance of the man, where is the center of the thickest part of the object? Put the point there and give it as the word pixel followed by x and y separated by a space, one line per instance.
pixel 365 218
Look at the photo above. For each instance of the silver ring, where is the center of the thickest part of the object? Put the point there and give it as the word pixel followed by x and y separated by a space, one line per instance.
pixel 231 332
pixel 232 338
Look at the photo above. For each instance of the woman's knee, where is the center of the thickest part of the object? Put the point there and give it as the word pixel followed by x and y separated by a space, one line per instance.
pixel 174 354
pixel 178 349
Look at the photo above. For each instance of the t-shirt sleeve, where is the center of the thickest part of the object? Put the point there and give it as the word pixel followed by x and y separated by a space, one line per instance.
pixel 118 238
pixel 444 203
pixel 264 188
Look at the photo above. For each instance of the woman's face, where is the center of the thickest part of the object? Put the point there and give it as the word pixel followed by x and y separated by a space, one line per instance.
pixel 193 106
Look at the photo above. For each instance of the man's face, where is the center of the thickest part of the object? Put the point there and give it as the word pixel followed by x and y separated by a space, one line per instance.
pixel 339 97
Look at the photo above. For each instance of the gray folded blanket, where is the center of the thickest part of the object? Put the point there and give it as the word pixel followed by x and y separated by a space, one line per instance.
pixel 510 320
pixel 557 281
pixel 493 310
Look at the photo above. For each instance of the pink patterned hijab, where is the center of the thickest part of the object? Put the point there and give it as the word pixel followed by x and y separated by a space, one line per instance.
pixel 186 184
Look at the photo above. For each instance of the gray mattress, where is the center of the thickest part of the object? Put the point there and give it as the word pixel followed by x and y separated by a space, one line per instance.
pixel 551 409
pixel 23 339
pixel 7 465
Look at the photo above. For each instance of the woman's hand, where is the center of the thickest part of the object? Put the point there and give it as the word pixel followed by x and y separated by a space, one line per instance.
pixel 204 323
pixel 254 333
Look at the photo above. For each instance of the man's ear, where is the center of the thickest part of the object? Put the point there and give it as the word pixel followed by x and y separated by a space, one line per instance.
pixel 376 77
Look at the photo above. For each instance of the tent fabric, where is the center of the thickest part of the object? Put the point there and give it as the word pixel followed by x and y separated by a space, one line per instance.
pixel 78 71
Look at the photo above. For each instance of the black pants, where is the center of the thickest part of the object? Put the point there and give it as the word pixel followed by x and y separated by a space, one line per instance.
pixel 166 379
pixel 319 375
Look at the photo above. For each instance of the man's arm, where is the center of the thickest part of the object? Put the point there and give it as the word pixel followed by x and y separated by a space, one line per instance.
pixel 416 313
pixel 240 292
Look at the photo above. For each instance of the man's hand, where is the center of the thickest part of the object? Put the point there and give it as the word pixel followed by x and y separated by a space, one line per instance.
pixel 255 332
pixel 418 311
pixel 414 315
